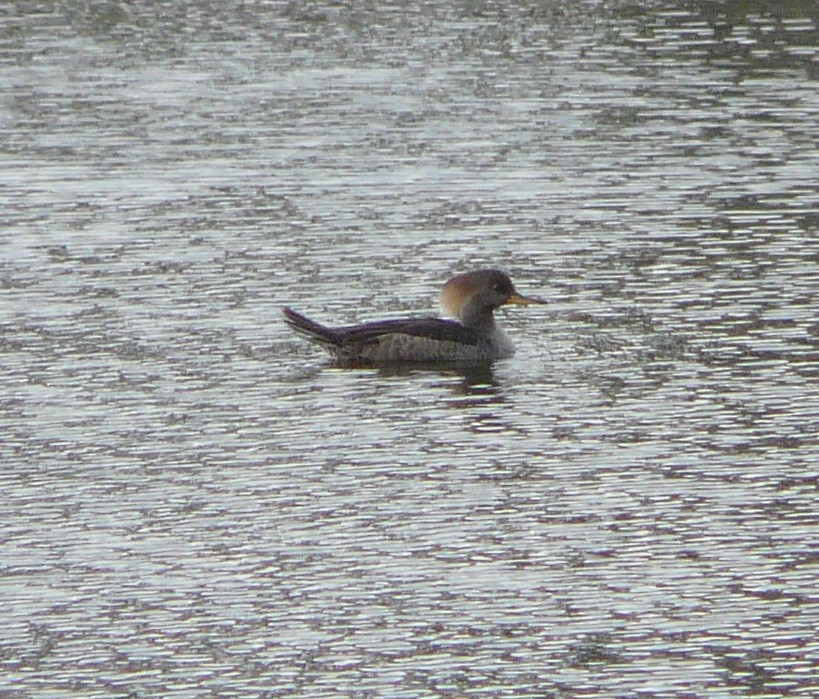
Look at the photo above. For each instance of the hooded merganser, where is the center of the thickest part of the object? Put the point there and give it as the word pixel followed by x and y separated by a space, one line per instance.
pixel 473 338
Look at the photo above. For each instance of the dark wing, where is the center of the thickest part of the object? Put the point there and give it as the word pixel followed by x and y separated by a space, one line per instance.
pixel 429 328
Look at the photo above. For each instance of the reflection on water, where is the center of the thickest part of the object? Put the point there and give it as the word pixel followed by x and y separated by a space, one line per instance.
pixel 469 381
pixel 195 502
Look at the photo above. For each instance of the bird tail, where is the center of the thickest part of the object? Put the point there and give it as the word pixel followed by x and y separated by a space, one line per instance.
pixel 328 338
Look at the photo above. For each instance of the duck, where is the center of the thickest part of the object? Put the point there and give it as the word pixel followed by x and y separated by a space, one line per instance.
pixel 471 336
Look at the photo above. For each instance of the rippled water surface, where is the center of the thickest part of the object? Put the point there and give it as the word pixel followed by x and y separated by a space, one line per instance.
pixel 195 502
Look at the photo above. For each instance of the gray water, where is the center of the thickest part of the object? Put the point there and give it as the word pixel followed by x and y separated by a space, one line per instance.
pixel 195 502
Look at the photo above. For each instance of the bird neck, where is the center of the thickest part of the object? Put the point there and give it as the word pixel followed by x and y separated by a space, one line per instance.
pixel 478 317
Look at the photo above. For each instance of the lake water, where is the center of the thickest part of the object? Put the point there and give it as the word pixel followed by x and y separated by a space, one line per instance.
pixel 195 502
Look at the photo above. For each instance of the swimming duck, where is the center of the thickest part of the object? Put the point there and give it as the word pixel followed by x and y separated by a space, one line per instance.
pixel 473 338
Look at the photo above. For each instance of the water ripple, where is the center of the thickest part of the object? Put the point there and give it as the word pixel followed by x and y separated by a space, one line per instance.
pixel 197 502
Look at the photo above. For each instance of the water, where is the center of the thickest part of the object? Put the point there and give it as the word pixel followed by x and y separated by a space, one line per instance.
pixel 196 503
